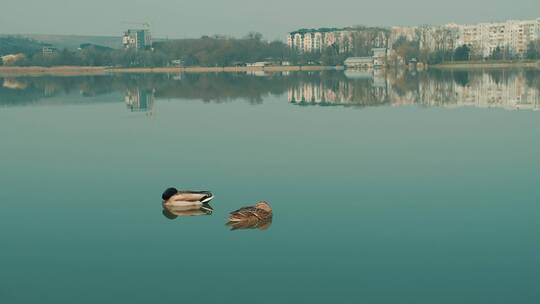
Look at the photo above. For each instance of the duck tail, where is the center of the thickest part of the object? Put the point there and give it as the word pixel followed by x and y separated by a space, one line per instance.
pixel 207 198
pixel 235 219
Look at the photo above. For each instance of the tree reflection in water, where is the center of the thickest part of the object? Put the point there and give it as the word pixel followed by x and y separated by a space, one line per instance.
pixel 508 89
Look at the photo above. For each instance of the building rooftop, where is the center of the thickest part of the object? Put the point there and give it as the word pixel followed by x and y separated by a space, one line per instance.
pixel 320 30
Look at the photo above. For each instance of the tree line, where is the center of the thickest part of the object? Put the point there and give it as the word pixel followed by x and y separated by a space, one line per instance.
pixel 227 51
pixel 204 51
pixel 407 50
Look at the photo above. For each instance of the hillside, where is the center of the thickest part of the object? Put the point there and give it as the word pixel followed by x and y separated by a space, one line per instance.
pixel 13 45
pixel 73 41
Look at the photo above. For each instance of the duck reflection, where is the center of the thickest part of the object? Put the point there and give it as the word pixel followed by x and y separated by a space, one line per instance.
pixel 173 212
pixel 252 217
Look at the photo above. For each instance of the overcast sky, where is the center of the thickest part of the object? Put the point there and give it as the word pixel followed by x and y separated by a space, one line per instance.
pixel 273 18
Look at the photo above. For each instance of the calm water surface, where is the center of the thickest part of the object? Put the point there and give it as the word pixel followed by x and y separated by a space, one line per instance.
pixel 398 188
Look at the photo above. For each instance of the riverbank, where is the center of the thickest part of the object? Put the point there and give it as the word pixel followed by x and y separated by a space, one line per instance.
pixel 51 71
pixel 224 69
pixel 488 64
pixel 91 71
pixel 12 71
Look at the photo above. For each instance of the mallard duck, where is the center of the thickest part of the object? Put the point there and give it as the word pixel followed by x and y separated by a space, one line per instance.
pixel 258 216
pixel 172 198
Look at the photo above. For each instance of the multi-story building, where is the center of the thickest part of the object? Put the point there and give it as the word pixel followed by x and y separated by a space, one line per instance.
pixel 137 39
pixel 379 56
pixel 316 40
pixel 49 51
pixel 512 36
pixel 308 42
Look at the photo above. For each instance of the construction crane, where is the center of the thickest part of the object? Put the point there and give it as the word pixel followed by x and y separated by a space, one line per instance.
pixel 146 25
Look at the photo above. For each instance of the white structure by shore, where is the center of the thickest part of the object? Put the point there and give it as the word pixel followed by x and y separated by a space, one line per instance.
pixel 315 40
pixel 378 60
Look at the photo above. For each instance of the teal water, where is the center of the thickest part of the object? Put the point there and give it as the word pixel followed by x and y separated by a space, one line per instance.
pixel 390 195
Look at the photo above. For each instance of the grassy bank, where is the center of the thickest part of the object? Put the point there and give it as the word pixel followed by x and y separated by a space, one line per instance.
pixel 57 71
pixel 75 70
pixel 499 64
pixel 222 69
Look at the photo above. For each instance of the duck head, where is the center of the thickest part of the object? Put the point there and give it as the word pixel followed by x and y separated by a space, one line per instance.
pixel 167 194
pixel 264 206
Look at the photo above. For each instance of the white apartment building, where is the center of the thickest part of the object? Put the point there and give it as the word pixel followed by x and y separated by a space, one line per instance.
pixel 513 36
pixel 308 42
pixel 315 40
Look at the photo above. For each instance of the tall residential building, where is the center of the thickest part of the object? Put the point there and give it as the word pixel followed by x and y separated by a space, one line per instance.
pixel 512 36
pixel 137 39
pixel 316 40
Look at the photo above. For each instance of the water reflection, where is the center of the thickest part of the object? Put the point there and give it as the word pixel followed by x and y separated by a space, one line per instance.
pixel 501 89
pixel 139 100
pixel 255 224
pixel 173 212
pixel 506 89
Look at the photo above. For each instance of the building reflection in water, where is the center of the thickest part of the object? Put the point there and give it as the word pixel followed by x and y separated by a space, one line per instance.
pixel 14 84
pixel 507 89
pixel 371 88
pixel 140 100
pixel 358 88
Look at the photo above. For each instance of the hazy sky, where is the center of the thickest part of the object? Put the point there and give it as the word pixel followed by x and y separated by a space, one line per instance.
pixel 273 18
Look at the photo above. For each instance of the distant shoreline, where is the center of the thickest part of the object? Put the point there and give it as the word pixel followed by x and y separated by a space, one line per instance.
pixel 488 65
pixel 53 71
pixel 12 71
pixel 94 71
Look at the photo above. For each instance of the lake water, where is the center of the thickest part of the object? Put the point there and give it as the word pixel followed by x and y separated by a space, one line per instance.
pixel 398 188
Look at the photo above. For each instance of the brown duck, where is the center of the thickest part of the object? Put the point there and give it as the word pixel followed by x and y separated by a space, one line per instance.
pixel 258 216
